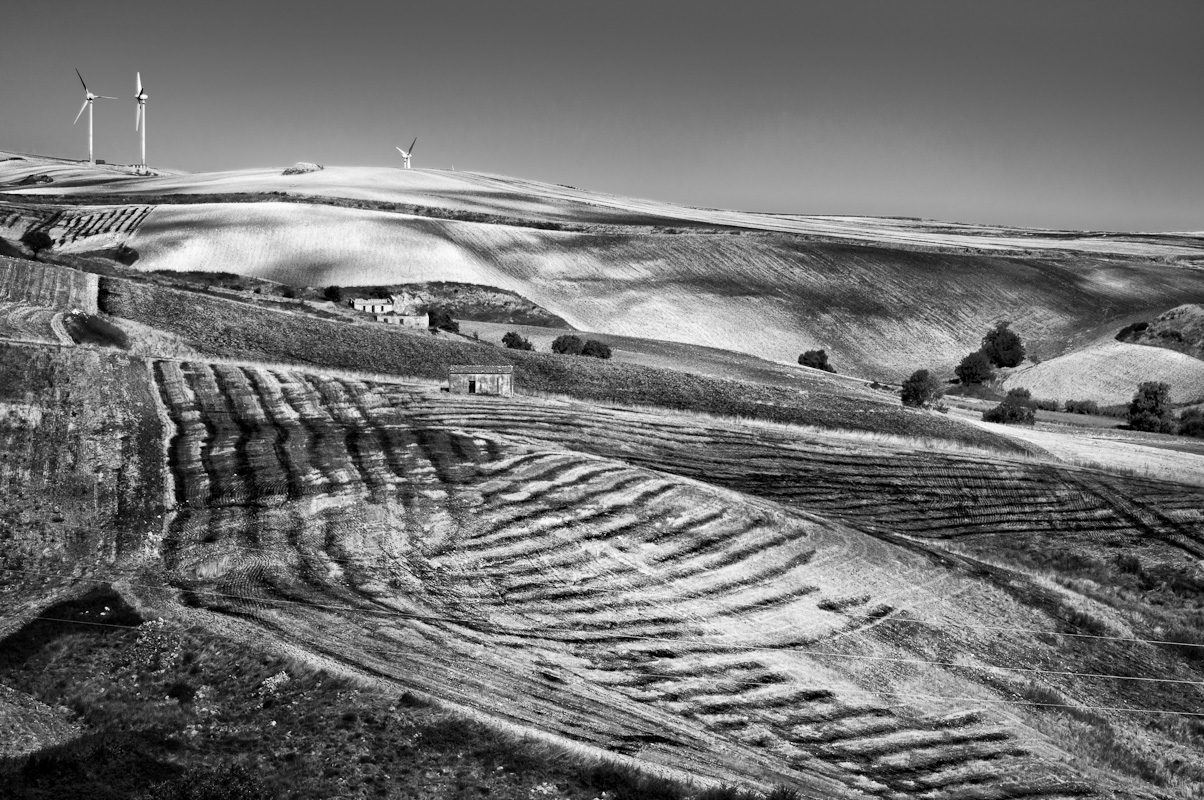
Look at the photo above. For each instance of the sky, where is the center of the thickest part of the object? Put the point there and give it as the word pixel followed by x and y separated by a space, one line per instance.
pixel 1058 113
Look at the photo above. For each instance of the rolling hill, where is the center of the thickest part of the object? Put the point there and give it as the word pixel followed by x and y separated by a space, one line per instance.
pixel 883 296
pixel 1109 373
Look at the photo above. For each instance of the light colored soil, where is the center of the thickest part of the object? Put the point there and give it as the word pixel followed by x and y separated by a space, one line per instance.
pixel 1110 372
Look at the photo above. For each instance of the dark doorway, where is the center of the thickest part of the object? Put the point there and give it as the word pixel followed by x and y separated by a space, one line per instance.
pixel 472 385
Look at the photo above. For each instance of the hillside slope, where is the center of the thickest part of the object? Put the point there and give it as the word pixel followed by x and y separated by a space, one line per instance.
pixel 1180 329
pixel 728 601
pixel 878 311
pixel 882 296
pixel 1109 373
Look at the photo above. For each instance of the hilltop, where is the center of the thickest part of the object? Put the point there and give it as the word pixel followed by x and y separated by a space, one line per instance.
pixel 249 541
pixel 882 296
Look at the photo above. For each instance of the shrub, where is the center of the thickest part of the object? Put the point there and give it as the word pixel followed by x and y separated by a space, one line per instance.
pixel 302 167
pixel 1018 408
pixel 1003 346
pixel 1150 409
pixel 333 293
pixel 441 320
pixel 37 241
pixel 975 368
pixel 1047 405
pixel 1129 332
pixel 516 342
pixel 921 389
pixel 289 292
pixel 568 344
pixel 595 349
pixel 1191 422
pixel 816 359
pixel 1082 407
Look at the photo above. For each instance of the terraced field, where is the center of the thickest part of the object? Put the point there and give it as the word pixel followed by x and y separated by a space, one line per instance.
pixel 74 228
pixel 34 297
pixel 510 559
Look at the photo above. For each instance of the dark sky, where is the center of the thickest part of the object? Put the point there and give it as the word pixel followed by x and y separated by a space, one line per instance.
pixel 1056 114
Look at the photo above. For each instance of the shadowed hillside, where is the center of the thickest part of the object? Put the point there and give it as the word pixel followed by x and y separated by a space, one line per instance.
pixel 882 296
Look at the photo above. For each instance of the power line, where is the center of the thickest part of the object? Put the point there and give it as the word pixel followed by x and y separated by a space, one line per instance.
pixel 550 632
pixel 844 692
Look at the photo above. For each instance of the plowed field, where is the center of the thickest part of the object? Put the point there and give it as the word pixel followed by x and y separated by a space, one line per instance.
pixel 509 558
pixel 34 297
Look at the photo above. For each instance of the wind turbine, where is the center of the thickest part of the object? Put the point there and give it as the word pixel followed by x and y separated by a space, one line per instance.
pixel 89 97
pixel 406 153
pixel 140 116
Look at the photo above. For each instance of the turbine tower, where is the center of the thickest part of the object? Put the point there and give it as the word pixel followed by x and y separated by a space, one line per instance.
pixel 140 117
pixel 88 98
pixel 406 153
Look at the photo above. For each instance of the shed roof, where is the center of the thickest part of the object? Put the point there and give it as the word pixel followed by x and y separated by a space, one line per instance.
pixel 480 369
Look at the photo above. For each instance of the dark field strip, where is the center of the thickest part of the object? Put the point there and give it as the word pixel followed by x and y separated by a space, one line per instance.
pixel 925 494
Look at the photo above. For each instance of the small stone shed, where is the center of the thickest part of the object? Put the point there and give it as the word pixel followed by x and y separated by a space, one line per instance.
pixel 480 379
pixel 422 321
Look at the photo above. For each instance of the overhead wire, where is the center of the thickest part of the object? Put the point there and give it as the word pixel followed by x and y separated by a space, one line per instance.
pixel 551 633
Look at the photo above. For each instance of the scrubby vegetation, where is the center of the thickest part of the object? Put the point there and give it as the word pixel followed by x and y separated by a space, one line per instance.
pixel 568 345
pixel 1150 409
pixel 37 241
pixel 441 320
pixel 302 167
pixel 1018 408
pixel 1002 346
pixel 921 390
pixel 514 341
pixel 1191 422
pixel 595 349
pixel 95 329
pixel 1082 407
pixel 974 368
pixel 816 359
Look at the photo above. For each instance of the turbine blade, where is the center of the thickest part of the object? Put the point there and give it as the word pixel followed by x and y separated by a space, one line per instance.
pixel 81 111
pixel 137 116
pixel 412 144
pixel 139 74
pixel 81 79
pixel 105 97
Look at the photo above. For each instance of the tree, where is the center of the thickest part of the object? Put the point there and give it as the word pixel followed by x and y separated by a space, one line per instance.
pixel 37 241
pixel 1150 409
pixel 975 368
pixel 333 293
pixel 921 390
pixel 1018 408
pixel 516 342
pixel 595 349
pixel 816 359
pixel 568 344
pixel 1191 422
pixel 441 320
pixel 1003 346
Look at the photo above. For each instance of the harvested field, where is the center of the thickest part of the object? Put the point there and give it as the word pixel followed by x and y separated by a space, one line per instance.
pixel 876 310
pixel 229 329
pixel 34 297
pixel 1110 372
pixel 612 604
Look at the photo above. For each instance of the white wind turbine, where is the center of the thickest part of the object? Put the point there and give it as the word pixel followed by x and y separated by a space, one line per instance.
pixel 88 98
pixel 140 117
pixel 406 153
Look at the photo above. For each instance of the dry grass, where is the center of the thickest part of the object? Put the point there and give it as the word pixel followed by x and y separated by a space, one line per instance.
pixel 1110 372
